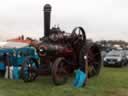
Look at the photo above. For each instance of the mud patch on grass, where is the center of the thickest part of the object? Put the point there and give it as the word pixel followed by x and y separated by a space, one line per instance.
pixel 117 92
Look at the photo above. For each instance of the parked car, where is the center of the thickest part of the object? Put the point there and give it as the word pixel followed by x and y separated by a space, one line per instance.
pixel 115 57
pixel 126 53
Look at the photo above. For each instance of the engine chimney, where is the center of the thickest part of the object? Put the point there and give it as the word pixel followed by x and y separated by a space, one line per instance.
pixel 47 13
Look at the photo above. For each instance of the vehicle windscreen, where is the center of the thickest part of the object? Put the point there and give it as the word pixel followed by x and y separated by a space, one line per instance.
pixel 114 54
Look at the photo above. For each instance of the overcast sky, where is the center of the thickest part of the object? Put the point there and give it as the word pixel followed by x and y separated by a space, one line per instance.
pixel 101 19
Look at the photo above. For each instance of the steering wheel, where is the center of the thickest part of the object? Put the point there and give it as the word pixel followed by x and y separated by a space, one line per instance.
pixel 79 32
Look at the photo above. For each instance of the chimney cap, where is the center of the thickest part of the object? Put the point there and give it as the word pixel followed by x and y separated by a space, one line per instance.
pixel 47 7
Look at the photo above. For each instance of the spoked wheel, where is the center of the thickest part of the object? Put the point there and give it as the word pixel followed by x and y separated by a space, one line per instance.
pixel 94 60
pixel 59 71
pixel 28 69
pixel 90 59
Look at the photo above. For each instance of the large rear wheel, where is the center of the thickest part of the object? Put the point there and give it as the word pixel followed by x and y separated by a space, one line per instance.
pixel 90 59
pixel 94 60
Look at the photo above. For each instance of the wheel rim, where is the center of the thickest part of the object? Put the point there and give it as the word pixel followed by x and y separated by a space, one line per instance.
pixel 29 70
pixel 61 71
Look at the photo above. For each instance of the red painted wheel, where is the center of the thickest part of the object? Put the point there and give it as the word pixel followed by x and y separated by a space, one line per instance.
pixel 59 71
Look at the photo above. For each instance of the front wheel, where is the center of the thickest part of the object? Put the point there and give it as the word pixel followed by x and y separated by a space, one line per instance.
pixel 28 69
pixel 59 71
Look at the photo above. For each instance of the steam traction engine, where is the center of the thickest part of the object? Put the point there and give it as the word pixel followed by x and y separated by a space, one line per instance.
pixel 61 53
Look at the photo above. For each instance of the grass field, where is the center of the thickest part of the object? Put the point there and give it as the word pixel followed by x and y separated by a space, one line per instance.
pixel 111 82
